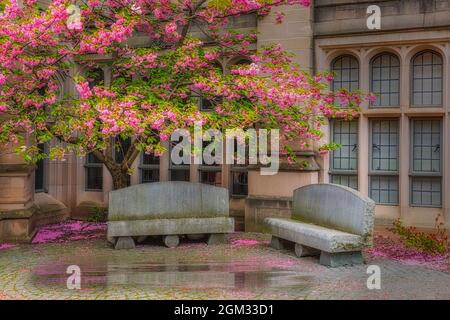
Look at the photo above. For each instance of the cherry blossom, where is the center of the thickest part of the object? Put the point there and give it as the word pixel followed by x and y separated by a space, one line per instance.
pixel 154 88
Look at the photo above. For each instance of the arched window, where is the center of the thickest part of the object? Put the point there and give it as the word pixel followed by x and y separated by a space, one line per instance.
pixel 346 70
pixel 385 80
pixel 426 83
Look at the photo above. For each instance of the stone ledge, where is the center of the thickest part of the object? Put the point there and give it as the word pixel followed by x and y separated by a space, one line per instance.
pixel 19 214
pixel 16 168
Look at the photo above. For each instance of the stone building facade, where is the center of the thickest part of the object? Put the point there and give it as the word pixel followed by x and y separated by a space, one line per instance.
pixel 397 151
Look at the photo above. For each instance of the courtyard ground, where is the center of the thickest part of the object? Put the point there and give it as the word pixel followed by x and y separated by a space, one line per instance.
pixel 245 268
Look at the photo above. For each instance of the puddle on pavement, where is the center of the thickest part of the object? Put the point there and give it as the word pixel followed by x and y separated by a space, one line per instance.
pixel 233 275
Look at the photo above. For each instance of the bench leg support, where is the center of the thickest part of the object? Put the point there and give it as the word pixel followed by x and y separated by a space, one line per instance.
pixel 276 243
pixel 111 240
pixel 340 259
pixel 304 251
pixel 125 243
pixel 216 238
pixel 171 241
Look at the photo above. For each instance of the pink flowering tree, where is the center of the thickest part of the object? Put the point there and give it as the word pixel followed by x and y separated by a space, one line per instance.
pixel 155 86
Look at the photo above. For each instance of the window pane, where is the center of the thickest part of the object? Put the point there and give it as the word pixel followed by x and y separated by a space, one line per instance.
pixel 150 159
pixel 384 189
pixel 94 173
pixel 426 192
pixel 426 146
pixel 345 133
pixel 213 178
pixel 180 175
pixel 427 79
pixel 346 70
pixel 384 145
pixel 240 183
pixel 94 178
pixel 385 80
pixel 344 180
pixel 149 175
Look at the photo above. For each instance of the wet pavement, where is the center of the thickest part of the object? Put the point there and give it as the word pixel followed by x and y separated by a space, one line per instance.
pixel 246 268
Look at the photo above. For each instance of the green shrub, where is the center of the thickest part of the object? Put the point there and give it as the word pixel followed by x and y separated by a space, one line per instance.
pixel 99 214
pixel 433 243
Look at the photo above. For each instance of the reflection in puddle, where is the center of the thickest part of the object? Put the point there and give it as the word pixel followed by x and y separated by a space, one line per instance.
pixel 243 275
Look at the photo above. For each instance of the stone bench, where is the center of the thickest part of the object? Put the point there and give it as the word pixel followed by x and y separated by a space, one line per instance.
pixel 331 220
pixel 168 209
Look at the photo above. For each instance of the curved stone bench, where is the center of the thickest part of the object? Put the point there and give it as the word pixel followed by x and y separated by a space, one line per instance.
pixel 331 220
pixel 168 209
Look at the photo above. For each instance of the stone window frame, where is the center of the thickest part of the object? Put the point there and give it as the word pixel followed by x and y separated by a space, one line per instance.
pixel 429 177
pixel 391 176
pixel 390 79
pixel 413 78
pixel 338 174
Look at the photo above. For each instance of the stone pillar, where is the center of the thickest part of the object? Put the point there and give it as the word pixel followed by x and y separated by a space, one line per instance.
pixel 271 196
pixel 17 209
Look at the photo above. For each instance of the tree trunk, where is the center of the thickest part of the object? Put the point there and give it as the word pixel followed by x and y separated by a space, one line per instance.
pixel 120 179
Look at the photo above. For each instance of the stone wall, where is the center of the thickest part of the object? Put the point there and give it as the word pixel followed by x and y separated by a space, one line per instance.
pixel 336 17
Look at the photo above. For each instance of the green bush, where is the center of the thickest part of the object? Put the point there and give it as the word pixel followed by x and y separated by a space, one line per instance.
pixel 99 214
pixel 434 243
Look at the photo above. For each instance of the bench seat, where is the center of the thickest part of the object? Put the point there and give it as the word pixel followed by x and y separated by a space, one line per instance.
pixel 314 236
pixel 165 227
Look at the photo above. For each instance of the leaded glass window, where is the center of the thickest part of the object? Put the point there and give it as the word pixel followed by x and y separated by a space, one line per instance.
pixel 383 163
pixel 94 173
pixel 348 181
pixel 239 182
pixel 149 168
pixel 384 145
pixel 427 85
pixel 178 172
pixel 427 146
pixel 344 161
pixel 426 158
pixel 346 71
pixel 384 189
pixel 426 192
pixel 385 84
pixel 210 174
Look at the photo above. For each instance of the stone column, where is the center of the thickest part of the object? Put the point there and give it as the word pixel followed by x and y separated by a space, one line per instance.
pixel 271 196
pixel 17 209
